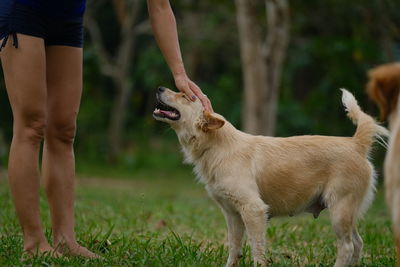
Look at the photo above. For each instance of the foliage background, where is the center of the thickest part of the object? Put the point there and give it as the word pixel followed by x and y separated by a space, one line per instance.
pixel 333 43
pixel 158 216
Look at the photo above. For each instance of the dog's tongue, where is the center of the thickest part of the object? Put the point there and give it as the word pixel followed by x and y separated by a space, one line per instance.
pixel 168 113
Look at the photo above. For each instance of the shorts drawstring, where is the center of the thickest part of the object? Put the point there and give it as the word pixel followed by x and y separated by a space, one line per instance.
pixel 15 40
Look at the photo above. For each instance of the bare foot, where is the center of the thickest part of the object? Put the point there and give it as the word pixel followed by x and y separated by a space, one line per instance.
pixel 74 249
pixel 41 249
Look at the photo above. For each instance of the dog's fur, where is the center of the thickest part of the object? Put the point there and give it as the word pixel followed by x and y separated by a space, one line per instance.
pixel 253 178
pixel 383 87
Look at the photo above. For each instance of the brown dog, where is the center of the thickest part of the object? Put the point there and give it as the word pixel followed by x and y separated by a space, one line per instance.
pixel 383 87
pixel 253 178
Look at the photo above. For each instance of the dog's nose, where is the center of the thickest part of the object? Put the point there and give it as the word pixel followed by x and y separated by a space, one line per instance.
pixel 161 89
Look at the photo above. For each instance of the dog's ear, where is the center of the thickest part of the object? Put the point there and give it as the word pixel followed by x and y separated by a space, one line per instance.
pixel 383 89
pixel 376 93
pixel 211 122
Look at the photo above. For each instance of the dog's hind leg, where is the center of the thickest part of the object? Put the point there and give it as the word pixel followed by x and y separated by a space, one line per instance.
pixel 343 214
pixel 358 246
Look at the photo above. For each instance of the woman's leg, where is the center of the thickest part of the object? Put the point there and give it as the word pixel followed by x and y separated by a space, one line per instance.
pixel 25 76
pixel 64 88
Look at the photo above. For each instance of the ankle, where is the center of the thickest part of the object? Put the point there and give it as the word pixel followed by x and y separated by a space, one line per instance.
pixel 64 240
pixel 33 238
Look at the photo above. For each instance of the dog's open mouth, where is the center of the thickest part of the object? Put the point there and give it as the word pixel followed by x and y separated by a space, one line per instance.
pixel 162 110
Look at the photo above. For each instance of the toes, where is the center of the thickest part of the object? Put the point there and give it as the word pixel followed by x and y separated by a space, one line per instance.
pixel 77 250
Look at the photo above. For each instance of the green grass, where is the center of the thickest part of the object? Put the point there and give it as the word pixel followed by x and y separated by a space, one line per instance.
pixel 164 218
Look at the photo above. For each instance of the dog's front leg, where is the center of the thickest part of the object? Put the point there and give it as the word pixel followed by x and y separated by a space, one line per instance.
pixel 235 236
pixel 235 229
pixel 254 215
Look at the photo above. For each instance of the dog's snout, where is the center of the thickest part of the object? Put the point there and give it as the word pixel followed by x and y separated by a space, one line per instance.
pixel 161 89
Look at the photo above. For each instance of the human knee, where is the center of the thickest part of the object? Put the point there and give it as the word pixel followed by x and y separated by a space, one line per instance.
pixel 62 131
pixel 32 129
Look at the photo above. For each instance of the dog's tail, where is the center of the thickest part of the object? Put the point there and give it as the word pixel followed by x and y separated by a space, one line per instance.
pixel 368 130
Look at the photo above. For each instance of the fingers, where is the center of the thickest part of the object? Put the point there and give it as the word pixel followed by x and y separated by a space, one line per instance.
pixel 203 98
pixel 185 85
pixel 206 103
pixel 190 93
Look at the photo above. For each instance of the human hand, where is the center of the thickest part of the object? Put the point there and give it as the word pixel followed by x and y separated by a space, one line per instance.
pixel 185 85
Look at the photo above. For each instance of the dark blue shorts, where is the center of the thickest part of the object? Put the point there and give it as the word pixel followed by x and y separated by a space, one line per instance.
pixel 53 30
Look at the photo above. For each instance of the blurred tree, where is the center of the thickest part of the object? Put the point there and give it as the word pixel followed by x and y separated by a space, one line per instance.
pixel 262 60
pixel 209 42
pixel 117 67
pixel 2 150
pixel 332 44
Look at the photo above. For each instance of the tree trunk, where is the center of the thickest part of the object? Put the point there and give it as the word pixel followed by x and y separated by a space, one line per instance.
pixel 254 68
pixel 262 62
pixel 117 68
pixel 117 119
pixel 2 152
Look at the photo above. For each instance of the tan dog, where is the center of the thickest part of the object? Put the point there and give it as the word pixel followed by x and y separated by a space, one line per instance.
pixel 253 178
pixel 383 87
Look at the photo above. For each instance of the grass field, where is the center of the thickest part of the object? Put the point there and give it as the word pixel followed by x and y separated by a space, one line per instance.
pixel 166 219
